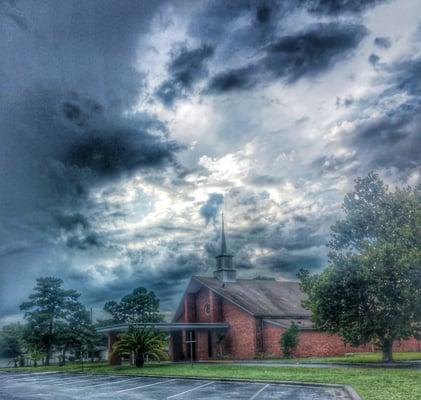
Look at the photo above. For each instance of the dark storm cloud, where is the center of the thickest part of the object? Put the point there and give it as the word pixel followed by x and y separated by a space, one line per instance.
pixel 69 85
pixel 306 53
pixel 290 264
pixel 391 139
pixel 187 66
pixel 210 209
pixel 234 79
pixel 383 42
pixel 167 281
pixel 77 232
pixel 215 18
pixel 312 51
pixel 374 59
pixel 337 7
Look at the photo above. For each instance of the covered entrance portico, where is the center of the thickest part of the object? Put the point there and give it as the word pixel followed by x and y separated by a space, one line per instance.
pixel 202 335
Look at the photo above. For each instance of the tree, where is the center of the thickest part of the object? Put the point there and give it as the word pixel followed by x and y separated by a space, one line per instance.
pixel 141 342
pixel 138 306
pixel 12 344
pixel 371 288
pixel 47 311
pixel 76 333
pixel 35 355
pixel 289 340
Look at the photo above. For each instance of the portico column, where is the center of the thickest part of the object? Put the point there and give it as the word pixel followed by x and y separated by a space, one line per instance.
pixel 113 359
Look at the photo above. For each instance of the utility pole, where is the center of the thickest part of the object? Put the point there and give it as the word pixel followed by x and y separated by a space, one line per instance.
pixel 190 342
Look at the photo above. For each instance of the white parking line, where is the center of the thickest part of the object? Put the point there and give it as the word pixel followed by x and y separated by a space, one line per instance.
pixel 143 386
pixel 45 379
pixel 258 392
pixel 104 384
pixel 28 376
pixel 85 380
pixel 190 390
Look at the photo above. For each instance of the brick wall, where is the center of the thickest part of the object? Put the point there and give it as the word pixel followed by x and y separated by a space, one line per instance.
pixel 271 336
pixel 311 343
pixel 411 344
pixel 314 343
pixel 202 299
pixel 241 336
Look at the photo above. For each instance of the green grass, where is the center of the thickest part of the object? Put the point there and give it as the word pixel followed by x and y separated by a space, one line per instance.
pixel 371 383
pixel 361 358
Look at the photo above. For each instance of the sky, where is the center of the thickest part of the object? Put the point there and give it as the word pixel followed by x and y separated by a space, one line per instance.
pixel 127 127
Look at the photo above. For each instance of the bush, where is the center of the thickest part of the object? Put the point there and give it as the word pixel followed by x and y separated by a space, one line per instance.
pixel 289 340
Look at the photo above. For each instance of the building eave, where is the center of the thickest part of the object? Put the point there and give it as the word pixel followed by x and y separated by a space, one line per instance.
pixel 285 325
pixel 165 326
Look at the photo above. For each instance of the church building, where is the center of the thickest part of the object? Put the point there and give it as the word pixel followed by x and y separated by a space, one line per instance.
pixel 255 312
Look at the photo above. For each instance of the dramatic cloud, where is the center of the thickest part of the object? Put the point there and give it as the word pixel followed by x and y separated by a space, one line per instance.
pixel 185 68
pixel 304 54
pixel 330 7
pixel 118 151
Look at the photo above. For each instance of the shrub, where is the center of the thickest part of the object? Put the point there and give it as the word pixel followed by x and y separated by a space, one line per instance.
pixel 289 340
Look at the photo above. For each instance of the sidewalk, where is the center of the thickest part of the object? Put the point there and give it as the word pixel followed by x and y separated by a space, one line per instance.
pixel 317 364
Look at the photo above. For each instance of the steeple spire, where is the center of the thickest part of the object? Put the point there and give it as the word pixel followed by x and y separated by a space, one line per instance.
pixel 224 270
pixel 223 240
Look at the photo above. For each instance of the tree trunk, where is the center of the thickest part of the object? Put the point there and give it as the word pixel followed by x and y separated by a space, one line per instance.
pixel 140 360
pixel 48 356
pixel 63 355
pixel 387 349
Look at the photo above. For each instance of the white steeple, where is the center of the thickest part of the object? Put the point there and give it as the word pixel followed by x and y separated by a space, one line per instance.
pixel 224 270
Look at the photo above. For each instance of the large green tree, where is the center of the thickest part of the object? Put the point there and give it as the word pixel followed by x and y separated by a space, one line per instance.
pixel 12 344
pixel 47 312
pixel 371 288
pixel 139 306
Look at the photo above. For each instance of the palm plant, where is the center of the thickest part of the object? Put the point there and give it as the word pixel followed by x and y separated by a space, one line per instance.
pixel 141 342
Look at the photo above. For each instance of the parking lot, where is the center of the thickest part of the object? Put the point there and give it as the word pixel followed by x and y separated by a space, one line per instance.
pixel 60 386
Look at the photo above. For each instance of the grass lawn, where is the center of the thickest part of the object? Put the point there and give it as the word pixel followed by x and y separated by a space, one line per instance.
pixel 371 384
pixel 362 358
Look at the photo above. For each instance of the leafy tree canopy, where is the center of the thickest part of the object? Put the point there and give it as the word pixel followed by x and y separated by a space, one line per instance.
pixel 12 344
pixel 139 306
pixel 371 289
pixel 48 310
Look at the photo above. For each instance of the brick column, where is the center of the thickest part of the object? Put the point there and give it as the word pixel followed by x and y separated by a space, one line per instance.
pixel 113 359
pixel 201 345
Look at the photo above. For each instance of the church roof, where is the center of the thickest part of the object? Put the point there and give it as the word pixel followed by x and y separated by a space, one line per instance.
pixel 261 298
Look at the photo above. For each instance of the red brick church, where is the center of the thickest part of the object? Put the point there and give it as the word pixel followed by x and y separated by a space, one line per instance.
pixel 255 313
pixel 227 317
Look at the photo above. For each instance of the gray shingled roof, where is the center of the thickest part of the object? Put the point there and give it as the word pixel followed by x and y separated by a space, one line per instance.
pixel 265 298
